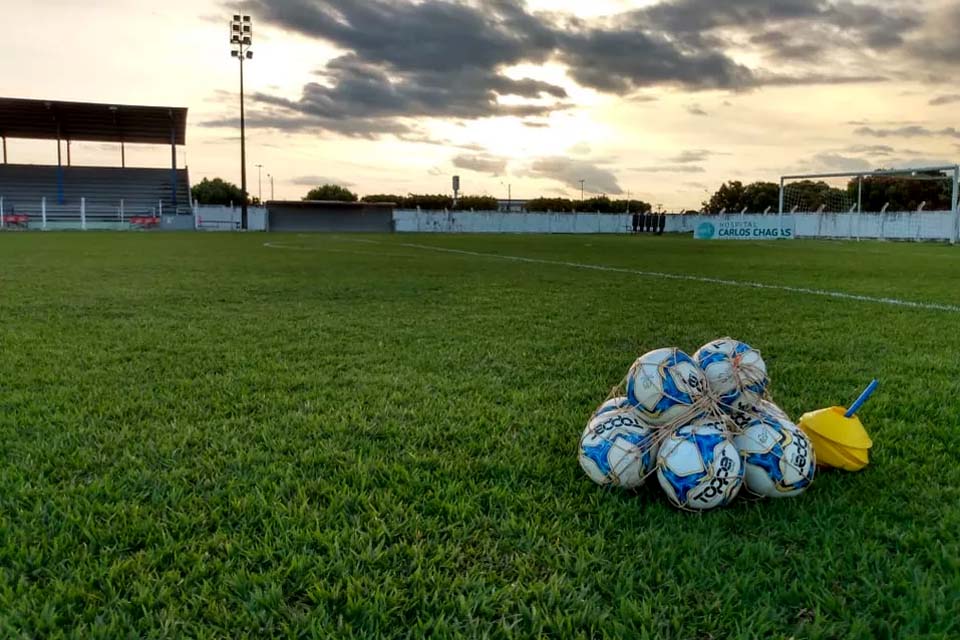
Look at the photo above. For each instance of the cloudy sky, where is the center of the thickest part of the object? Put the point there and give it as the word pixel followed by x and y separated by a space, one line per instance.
pixel 664 100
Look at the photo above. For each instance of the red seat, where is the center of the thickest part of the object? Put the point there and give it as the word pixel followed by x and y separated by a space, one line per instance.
pixel 16 219
pixel 145 221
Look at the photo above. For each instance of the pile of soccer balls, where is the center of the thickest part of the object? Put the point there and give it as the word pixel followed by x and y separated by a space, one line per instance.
pixel 704 425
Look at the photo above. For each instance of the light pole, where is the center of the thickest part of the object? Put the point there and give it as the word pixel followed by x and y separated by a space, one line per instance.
pixel 270 175
pixel 260 184
pixel 241 38
pixel 509 195
pixel 581 190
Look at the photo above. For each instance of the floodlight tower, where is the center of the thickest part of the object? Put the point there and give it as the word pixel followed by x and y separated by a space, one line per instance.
pixel 241 38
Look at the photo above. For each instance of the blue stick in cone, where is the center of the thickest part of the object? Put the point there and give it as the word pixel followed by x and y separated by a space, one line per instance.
pixel 859 402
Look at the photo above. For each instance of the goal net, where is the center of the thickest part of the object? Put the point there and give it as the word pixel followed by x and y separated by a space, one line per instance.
pixel 910 204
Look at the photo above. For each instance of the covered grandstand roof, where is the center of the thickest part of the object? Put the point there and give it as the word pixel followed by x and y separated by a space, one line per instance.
pixel 90 121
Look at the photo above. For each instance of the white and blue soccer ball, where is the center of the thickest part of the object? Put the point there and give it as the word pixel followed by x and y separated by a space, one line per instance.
pixel 768 408
pixel 699 467
pixel 745 415
pixel 736 374
pixel 612 404
pixel 779 459
pixel 618 449
pixel 666 386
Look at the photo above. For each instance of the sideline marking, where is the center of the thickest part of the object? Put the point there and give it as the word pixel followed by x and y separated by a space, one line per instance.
pixel 277 245
pixel 746 284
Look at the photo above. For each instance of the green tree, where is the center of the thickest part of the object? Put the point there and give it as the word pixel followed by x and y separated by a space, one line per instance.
pixel 631 206
pixel 729 197
pixel 331 192
pixel 901 193
pixel 734 196
pixel 810 195
pixel 382 197
pixel 428 202
pixel 477 203
pixel 558 205
pixel 216 191
pixel 758 196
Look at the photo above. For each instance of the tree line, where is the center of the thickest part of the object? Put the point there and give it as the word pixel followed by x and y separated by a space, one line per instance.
pixel 219 191
pixel 898 193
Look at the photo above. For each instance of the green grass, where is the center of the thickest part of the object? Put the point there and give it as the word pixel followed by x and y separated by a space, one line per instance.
pixel 204 437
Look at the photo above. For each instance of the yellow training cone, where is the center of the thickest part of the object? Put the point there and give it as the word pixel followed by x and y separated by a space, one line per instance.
pixel 839 438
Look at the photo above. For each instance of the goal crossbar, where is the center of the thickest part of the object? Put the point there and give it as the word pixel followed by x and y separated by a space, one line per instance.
pixel 867 174
pixel 913 172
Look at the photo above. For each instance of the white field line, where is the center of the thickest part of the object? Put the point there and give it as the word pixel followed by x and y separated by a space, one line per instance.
pixel 931 306
pixel 277 245
pixel 746 284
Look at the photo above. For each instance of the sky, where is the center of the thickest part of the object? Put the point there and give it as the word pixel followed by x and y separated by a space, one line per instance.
pixel 658 100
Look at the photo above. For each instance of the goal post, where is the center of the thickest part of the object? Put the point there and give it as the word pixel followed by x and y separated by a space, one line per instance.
pixel 906 190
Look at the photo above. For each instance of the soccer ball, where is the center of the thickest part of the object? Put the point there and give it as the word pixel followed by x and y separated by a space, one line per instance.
pixel 665 386
pixel 768 408
pixel 613 404
pixel 778 457
pixel 618 449
pixel 745 416
pixel 699 468
pixel 735 373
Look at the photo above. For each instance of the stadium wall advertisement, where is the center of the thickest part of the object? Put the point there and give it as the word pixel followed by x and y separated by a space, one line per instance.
pixel 764 228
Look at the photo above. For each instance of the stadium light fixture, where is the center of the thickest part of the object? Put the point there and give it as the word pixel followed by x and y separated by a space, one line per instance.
pixel 241 39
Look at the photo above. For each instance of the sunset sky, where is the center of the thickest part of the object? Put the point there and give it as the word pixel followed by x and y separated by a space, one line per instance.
pixel 664 100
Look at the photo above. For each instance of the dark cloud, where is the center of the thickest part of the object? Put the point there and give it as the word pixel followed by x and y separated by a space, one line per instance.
pixel 939 44
pixel 691 16
pixel 358 96
pixel 404 60
pixel 783 46
pixel 912 131
pixel 869 25
pixel 691 155
pixel 570 172
pixel 950 98
pixel 481 164
pixel 696 110
pixel 829 161
pixel 871 149
pixel 316 181
pixel 625 59
pixel 806 79
pixel 408 60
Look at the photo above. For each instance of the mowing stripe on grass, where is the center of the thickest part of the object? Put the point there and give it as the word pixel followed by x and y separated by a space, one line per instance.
pixel 840 295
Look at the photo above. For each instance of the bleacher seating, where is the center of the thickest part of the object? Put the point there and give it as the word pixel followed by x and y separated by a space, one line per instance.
pixel 141 190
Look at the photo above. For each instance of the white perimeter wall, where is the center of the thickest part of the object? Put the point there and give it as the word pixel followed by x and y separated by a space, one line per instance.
pixel 496 222
pixel 212 217
pixel 928 225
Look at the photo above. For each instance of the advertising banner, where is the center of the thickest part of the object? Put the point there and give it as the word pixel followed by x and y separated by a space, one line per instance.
pixel 748 228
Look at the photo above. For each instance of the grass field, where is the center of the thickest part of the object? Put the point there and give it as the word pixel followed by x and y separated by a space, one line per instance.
pixel 346 437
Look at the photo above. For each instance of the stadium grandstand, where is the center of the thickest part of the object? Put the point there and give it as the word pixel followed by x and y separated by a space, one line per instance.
pixel 62 195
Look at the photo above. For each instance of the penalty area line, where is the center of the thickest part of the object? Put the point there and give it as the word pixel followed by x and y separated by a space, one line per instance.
pixel 745 284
